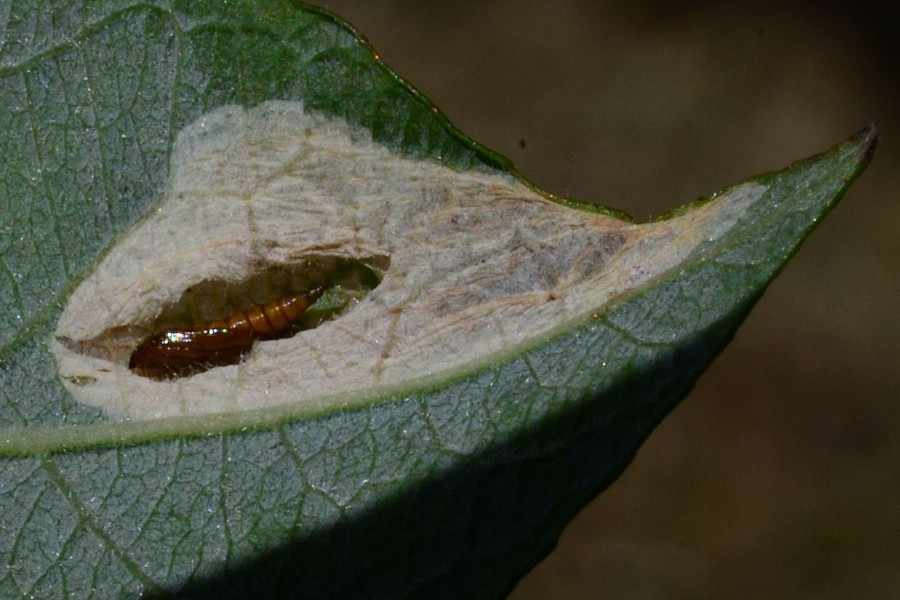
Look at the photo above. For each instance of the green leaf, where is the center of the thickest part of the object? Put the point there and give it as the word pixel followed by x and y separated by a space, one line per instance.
pixel 448 489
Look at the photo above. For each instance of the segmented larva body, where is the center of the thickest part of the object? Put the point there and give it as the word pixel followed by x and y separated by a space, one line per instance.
pixel 181 352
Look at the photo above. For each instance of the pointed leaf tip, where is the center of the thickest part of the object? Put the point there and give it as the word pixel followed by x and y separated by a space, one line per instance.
pixel 867 138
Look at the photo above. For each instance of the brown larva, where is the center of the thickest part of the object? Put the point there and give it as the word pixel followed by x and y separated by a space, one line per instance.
pixel 182 352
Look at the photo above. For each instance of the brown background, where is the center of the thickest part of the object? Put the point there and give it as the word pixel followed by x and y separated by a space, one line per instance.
pixel 779 476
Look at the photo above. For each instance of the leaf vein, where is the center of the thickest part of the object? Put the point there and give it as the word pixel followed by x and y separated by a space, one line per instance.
pixel 86 518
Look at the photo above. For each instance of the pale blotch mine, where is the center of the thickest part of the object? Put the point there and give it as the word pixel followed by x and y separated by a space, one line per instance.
pixel 479 265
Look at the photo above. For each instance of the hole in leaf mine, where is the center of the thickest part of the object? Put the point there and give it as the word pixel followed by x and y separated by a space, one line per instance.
pixel 216 323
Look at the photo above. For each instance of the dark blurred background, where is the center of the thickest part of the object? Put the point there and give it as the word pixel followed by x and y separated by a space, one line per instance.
pixel 779 476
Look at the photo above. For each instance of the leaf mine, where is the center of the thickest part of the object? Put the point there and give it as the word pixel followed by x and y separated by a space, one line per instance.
pixel 429 271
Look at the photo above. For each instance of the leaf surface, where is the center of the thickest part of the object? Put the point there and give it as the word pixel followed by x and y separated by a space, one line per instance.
pixel 445 489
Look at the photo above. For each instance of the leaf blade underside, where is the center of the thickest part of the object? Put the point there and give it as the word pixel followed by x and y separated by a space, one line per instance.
pixel 451 490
